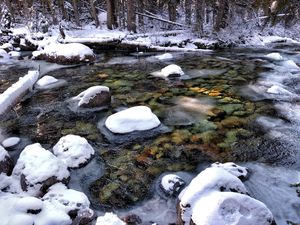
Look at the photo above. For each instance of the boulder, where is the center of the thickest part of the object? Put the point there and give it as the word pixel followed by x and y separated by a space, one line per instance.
pixel 138 118
pixel 38 169
pixel 93 97
pixel 109 219
pixel 171 184
pixel 172 71
pixel 73 150
pixel 6 163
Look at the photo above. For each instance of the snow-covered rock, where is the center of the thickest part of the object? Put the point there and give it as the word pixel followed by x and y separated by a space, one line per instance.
pixel 96 96
pixel 6 164
pixel 46 80
pixel 109 219
pixel 290 64
pixel 227 208
pixel 17 90
pixel 38 169
pixel 65 53
pixel 274 56
pixel 172 71
pixel 29 204
pixel 14 54
pixel 11 142
pixel 73 150
pixel 7 47
pixel 138 118
pixel 172 184
pixel 4 54
pixel 278 90
pixel 236 170
pixel 166 56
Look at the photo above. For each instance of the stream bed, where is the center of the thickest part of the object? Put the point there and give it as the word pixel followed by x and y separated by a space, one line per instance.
pixel 231 105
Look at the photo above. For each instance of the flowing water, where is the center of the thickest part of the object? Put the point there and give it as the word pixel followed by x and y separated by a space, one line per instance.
pixel 232 105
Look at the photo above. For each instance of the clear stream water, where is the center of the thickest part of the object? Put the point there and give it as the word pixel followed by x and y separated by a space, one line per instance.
pixel 222 110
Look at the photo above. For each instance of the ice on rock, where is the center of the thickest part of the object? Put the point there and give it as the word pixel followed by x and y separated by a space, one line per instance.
pixel 46 80
pixel 236 170
pixel 172 70
pixel 73 150
pixel 275 56
pixel 172 184
pixel 138 118
pixel 38 165
pixel 10 142
pixel 227 208
pixel 166 56
pixel 109 219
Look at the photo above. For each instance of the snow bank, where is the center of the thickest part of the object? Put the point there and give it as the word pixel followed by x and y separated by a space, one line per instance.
pixel 46 80
pixel 73 150
pixel 278 90
pixel 38 165
pixel 227 208
pixel 274 56
pixel 10 142
pixel 138 118
pixel 109 219
pixel 17 90
pixel 98 94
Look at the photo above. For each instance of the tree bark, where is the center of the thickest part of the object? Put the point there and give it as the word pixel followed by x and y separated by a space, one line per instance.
pixel 131 17
pixel 188 11
pixel 94 13
pixel 172 6
pixel 111 14
pixel 199 16
pixel 62 9
pixel 9 6
pixel 76 13
pixel 222 15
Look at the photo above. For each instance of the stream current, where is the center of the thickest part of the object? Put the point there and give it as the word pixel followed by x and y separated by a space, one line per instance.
pixel 232 105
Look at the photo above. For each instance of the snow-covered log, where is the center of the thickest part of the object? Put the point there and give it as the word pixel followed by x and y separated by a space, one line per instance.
pixel 9 97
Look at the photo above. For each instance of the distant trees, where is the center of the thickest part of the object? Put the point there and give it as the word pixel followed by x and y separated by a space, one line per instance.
pixel 199 15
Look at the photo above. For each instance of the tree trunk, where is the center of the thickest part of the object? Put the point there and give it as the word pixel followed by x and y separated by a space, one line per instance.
pixel 222 15
pixel 76 13
pixel 62 9
pixel 188 11
pixel 8 4
pixel 111 14
pixel 50 9
pixel 94 13
pixel 199 16
pixel 131 18
pixel 141 10
pixel 172 5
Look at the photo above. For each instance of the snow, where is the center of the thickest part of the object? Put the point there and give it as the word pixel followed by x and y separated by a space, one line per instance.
pixel 28 203
pixel 4 54
pixel 172 183
pixel 166 56
pixel 227 208
pixel 65 50
pixel 172 69
pixel 10 142
pixel 274 56
pixel 290 64
pixel 38 164
pixel 278 90
pixel 73 150
pixel 85 96
pixel 234 169
pixel 46 80
pixel 3 154
pixel 14 54
pixel 138 118
pixel 10 96
pixel 109 219
pixel 7 46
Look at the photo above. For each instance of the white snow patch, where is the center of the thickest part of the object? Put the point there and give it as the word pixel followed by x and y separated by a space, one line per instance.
pixel 14 54
pixel 65 50
pixel 73 150
pixel 85 96
pixel 227 208
pixel 3 153
pixel 10 96
pixel 274 56
pixel 234 169
pixel 171 183
pixel 46 80
pixel 138 118
pixel 26 203
pixel 109 219
pixel 4 54
pixel 7 46
pixel 278 90
pixel 172 69
pixel 10 142
pixel 166 56
pixel 290 64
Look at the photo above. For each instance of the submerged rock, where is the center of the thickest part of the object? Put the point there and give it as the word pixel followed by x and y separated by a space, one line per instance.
pixel 138 118
pixel 73 150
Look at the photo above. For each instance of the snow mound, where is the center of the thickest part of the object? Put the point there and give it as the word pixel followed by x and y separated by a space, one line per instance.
pixel 274 56
pixel 73 150
pixel 39 168
pixel 65 53
pixel 166 56
pixel 227 208
pixel 109 219
pixel 236 170
pixel 94 96
pixel 172 184
pixel 46 80
pixel 138 118
pixel 10 96
pixel 172 70
pixel 10 142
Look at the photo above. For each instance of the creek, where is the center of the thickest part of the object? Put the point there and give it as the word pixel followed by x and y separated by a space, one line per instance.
pixel 224 109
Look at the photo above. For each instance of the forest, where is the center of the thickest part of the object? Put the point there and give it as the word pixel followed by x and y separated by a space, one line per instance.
pixel 202 17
